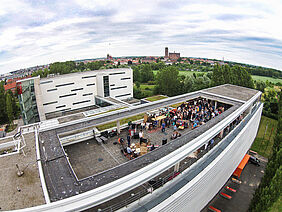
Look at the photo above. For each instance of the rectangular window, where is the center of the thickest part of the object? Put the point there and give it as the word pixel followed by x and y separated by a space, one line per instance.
pixel 45 82
pixel 60 106
pixel 67 95
pixel 88 77
pixel 118 87
pixel 61 85
pixel 123 95
pixel 53 89
pixel 49 103
pixel 90 84
pixel 125 78
pixel 77 89
pixel 117 73
pixel 106 86
pixel 76 103
pixel 87 94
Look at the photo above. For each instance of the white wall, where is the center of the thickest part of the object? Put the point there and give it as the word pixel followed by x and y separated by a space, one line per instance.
pixel 195 195
pixel 53 91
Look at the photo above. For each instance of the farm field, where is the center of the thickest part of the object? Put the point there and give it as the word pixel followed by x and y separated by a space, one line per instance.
pixel 270 79
pixel 264 141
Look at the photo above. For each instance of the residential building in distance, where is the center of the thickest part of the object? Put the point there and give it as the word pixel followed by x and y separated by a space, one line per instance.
pixel 50 97
pixel 12 85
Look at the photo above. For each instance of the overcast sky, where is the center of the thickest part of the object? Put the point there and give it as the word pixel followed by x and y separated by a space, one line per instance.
pixel 37 32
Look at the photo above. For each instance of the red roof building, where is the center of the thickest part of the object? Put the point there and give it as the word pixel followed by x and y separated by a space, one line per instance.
pixel 11 84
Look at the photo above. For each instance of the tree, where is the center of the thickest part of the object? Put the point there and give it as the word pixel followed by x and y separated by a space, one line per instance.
pixel 168 82
pixel 3 114
pixel 237 75
pixel 9 108
pixel 260 85
pixel 81 66
pixel 147 73
pixel 136 75
pixel 15 106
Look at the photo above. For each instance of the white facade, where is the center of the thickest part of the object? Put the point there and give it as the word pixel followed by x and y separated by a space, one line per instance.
pixel 78 90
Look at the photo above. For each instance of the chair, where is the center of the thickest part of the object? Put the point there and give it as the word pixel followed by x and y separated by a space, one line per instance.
pixel 99 140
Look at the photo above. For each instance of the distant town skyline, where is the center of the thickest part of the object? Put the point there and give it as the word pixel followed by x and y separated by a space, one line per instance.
pixel 38 32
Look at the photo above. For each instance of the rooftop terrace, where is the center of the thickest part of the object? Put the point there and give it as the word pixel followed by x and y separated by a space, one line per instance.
pixel 25 191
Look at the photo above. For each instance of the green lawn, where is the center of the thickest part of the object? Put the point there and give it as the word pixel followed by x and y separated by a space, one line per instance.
pixel 262 78
pixel 149 87
pixel 122 121
pixel 264 140
pixel 277 206
pixel 155 98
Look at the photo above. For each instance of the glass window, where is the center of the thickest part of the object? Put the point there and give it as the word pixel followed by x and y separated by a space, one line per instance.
pixel 106 86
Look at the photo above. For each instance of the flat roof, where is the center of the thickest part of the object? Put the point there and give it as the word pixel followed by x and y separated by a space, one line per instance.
pixel 25 191
pixel 59 176
pixel 233 91
pixel 55 158
pixel 57 76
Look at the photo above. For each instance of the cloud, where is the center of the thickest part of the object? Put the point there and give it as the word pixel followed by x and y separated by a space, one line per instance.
pixel 35 32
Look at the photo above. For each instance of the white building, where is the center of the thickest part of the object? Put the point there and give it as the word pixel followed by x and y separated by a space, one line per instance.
pixel 75 91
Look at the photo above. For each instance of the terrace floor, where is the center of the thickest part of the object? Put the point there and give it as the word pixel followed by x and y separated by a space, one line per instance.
pixel 25 191
pixel 88 157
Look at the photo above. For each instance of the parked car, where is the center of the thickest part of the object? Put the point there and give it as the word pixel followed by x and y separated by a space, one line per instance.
pixel 254 160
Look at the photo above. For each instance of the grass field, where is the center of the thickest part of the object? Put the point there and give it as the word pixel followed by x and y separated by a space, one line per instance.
pixel 147 87
pixel 262 78
pixel 277 206
pixel 155 98
pixel 264 140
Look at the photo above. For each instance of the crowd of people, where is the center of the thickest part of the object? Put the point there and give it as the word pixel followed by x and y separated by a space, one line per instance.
pixel 190 114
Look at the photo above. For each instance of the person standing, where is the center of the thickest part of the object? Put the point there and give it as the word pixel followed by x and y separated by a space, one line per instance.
pixel 163 127
pixel 128 140
pixel 141 135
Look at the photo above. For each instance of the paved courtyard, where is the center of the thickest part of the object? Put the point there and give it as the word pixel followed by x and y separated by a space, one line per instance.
pixel 88 158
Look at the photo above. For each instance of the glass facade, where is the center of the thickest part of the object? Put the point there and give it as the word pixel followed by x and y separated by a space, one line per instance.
pixel 106 86
pixel 27 101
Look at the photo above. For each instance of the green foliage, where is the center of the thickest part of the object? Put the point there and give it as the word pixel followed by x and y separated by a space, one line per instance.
pixel 3 112
pixel 70 67
pixel 9 108
pixel 168 82
pixel 260 85
pixel 265 137
pixel 270 98
pixel 236 75
pixel 269 189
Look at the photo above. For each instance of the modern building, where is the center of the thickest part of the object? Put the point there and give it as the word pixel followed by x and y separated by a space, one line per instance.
pixel 182 175
pixel 50 97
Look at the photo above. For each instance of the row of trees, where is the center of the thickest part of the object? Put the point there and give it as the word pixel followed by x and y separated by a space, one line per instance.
pixel 236 75
pixel 69 67
pixel 270 187
pixel 9 109
pixel 169 82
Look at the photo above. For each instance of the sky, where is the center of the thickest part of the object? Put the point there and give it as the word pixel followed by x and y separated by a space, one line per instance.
pixel 38 32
